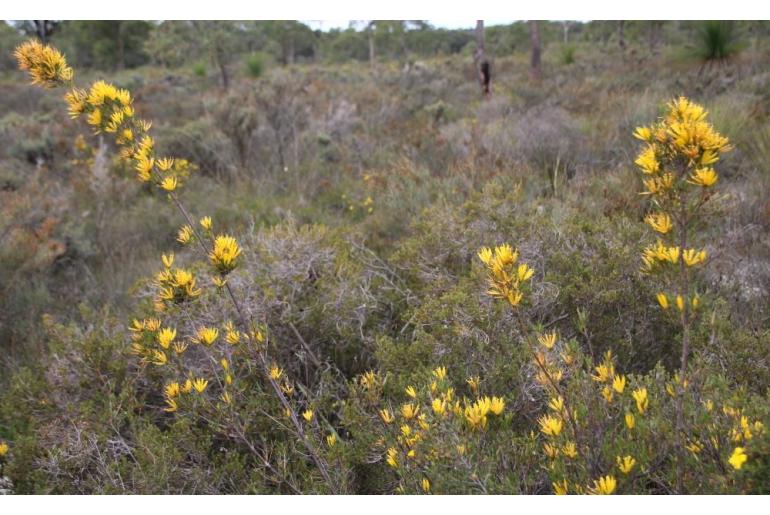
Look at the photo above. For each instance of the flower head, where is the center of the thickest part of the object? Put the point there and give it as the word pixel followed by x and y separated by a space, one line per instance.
pixel 225 254
pixel 640 396
pixel 626 463
pixel 166 336
pixel 200 384
pixel 207 335
pixel 738 458
pixel 550 426
pixel 46 66
pixel 604 485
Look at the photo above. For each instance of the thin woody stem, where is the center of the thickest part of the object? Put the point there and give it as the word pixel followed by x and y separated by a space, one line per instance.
pixel 261 355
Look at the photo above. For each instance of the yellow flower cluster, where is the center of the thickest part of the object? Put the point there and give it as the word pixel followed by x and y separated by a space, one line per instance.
pixel 658 255
pixel 505 278
pixel 476 413
pixel 430 414
pixel 153 342
pixel 677 167
pixel 107 109
pixel 173 391
pixel 174 285
pixel 224 255
pixel 679 150
pixel 46 66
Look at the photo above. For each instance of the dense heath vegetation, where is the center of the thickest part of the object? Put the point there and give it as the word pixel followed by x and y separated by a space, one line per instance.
pixel 331 265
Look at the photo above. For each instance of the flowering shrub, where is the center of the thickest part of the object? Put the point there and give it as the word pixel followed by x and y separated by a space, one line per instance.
pixel 296 360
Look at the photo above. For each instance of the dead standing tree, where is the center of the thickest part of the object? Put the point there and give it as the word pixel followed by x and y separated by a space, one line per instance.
pixel 535 71
pixel 483 67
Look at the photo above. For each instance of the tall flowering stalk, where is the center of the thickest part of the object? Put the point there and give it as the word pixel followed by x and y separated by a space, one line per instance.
pixel 109 110
pixel 677 165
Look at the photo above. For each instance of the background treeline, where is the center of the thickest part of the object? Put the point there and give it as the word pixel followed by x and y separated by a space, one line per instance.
pixel 114 45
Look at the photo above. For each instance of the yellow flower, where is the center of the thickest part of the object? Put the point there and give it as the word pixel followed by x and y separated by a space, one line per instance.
pixel 159 358
pixel 692 257
pixel 679 303
pixel 3 449
pixel 391 459
pixel 166 336
pixel 557 404
pixel 226 398
pixel 738 458
pixel 307 415
pixel 485 255
pixel 331 440
pixel 144 167
pixel 607 394
pixel 550 426
pixel 199 385
pixel 172 405
pixel 561 488
pixel 185 235
pixel 604 486
pixel 547 340
pixel 46 66
pixel 172 390
pixel 626 463
pixel 694 447
pixel 224 254
pixel 206 222
pixel 660 222
pixel 439 373
pixel 604 372
pixel 439 406
pixel 207 335
pixel 704 177
pixel 640 396
pixel 165 164
pixel 643 133
pixel 409 410
pixel 275 373
pixel 497 405
pixel 187 387
pixel 569 449
pixel 168 260
pixel 386 416
pixel 425 485
pixel 473 382
pixel 663 300
pixel 647 161
pixel 619 383
pixel 169 183
pixel 550 450
pixel 630 421
pixel 76 100
pixel 411 392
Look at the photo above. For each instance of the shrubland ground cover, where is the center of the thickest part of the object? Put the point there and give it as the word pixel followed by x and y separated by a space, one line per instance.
pixel 364 352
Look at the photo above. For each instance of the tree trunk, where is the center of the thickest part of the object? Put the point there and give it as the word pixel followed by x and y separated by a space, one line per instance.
pixel 121 64
pixel 371 49
pixel 44 29
pixel 480 61
pixel 224 76
pixel 621 35
pixel 535 69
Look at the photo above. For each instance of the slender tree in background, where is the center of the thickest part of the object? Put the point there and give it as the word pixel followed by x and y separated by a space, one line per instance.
pixel 219 40
pixel 621 34
pixel 483 68
pixel 370 37
pixel 535 70
pixel 44 29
